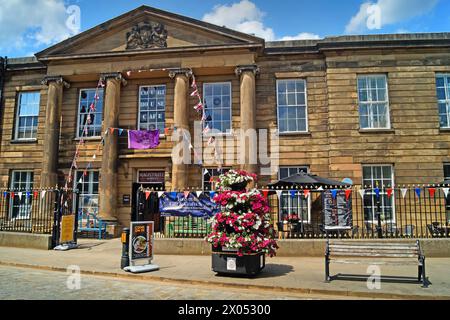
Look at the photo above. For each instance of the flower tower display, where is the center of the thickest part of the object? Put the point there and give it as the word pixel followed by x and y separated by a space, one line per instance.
pixel 241 232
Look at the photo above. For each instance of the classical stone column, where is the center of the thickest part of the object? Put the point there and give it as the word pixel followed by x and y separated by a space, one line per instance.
pixel 49 175
pixel 249 153
pixel 108 174
pixel 181 122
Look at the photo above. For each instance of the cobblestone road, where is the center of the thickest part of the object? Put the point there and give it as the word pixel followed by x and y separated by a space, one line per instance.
pixel 25 283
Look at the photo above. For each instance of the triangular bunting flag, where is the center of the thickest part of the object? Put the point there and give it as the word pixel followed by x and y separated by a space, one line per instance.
pixel 306 193
pixel 194 93
pixel 160 193
pixel 265 193
pixel 348 193
pixel 120 132
pixel 111 130
pixel 186 194
pixel 5 194
pixel 198 193
pixel 362 192
pixel 417 190
pixel 92 107
pixel 43 194
pixel 35 194
pixel 212 194
pixel 194 83
pixel 20 195
pixel 293 193
pixel 205 171
pixel 377 192
pixel 147 194
pixel 28 194
pixel 199 106
pixel 94 156
pixel 334 193
pixel 445 190
pixel 13 195
pixel 279 192
pixel 404 191
pixel 432 192
pixel 320 188
pixel 389 192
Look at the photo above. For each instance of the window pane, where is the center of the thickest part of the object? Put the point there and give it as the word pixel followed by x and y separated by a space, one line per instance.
pixel 291 105
pixel 152 108
pixel 27 115
pixel 90 113
pixel 218 101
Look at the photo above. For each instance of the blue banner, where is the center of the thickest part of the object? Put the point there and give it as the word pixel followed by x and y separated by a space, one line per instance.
pixel 173 204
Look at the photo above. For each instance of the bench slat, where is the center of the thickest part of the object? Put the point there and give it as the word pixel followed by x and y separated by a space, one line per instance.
pixel 393 263
pixel 416 253
pixel 373 244
pixel 371 247
pixel 368 254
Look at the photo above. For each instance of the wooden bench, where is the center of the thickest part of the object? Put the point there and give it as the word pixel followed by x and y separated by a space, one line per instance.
pixel 375 253
pixel 90 222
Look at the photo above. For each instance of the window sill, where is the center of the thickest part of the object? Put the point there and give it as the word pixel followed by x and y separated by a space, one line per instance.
pixel 28 141
pixel 376 131
pixel 445 130
pixel 296 133
pixel 89 139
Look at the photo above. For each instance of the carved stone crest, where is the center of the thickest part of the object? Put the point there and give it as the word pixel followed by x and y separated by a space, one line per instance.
pixel 147 36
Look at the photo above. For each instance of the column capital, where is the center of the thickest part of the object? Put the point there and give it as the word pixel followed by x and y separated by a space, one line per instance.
pixel 58 79
pixel 180 71
pixel 113 75
pixel 247 68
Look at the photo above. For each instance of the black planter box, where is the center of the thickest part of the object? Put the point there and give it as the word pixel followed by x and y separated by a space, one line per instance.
pixel 228 262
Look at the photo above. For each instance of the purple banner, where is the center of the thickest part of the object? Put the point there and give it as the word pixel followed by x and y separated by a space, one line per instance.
pixel 143 139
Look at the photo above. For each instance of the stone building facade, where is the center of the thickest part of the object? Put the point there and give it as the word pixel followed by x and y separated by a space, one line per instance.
pixel 368 108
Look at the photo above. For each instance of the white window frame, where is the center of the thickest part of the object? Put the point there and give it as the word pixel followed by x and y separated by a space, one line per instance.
pixel 28 187
pixel 90 194
pixel 308 221
pixel 156 110
pixel 370 102
pixel 18 116
pixel 102 92
pixel 382 193
pixel 446 101
pixel 210 168
pixel 229 131
pixel 297 105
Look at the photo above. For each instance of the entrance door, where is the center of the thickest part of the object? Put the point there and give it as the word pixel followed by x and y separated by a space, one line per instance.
pixel 143 209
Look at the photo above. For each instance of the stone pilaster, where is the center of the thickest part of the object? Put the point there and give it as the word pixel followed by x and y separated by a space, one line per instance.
pixel 56 85
pixel 247 74
pixel 108 174
pixel 181 122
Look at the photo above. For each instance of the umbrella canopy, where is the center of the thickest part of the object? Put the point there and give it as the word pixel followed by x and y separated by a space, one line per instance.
pixel 307 180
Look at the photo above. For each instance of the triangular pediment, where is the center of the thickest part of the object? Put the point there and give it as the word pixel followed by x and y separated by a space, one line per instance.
pixel 149 29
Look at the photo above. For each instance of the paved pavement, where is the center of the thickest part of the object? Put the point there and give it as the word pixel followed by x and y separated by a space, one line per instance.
pixel 32 284
pixel 281 275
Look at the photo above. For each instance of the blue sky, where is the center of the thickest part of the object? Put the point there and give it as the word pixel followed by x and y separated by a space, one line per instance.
pixel 28 26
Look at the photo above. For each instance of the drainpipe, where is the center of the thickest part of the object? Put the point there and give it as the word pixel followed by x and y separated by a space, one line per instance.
pixel 3 64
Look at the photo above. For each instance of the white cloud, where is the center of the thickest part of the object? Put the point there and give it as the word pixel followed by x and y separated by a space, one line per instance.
pixel 246 17
pixel 25 23
pixel 302 36
pixel 391 12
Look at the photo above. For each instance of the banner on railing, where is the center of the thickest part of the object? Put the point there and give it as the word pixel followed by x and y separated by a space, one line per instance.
pixel 337 210
pixel 175 204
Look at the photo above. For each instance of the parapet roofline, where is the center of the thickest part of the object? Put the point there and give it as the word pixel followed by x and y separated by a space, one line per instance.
pixel 379 41
pixel 24 63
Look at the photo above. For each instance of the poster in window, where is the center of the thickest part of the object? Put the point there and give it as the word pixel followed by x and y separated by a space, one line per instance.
pixel 337 211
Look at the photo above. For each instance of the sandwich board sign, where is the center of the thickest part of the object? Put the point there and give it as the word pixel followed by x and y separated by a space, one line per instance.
pixel 141 247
